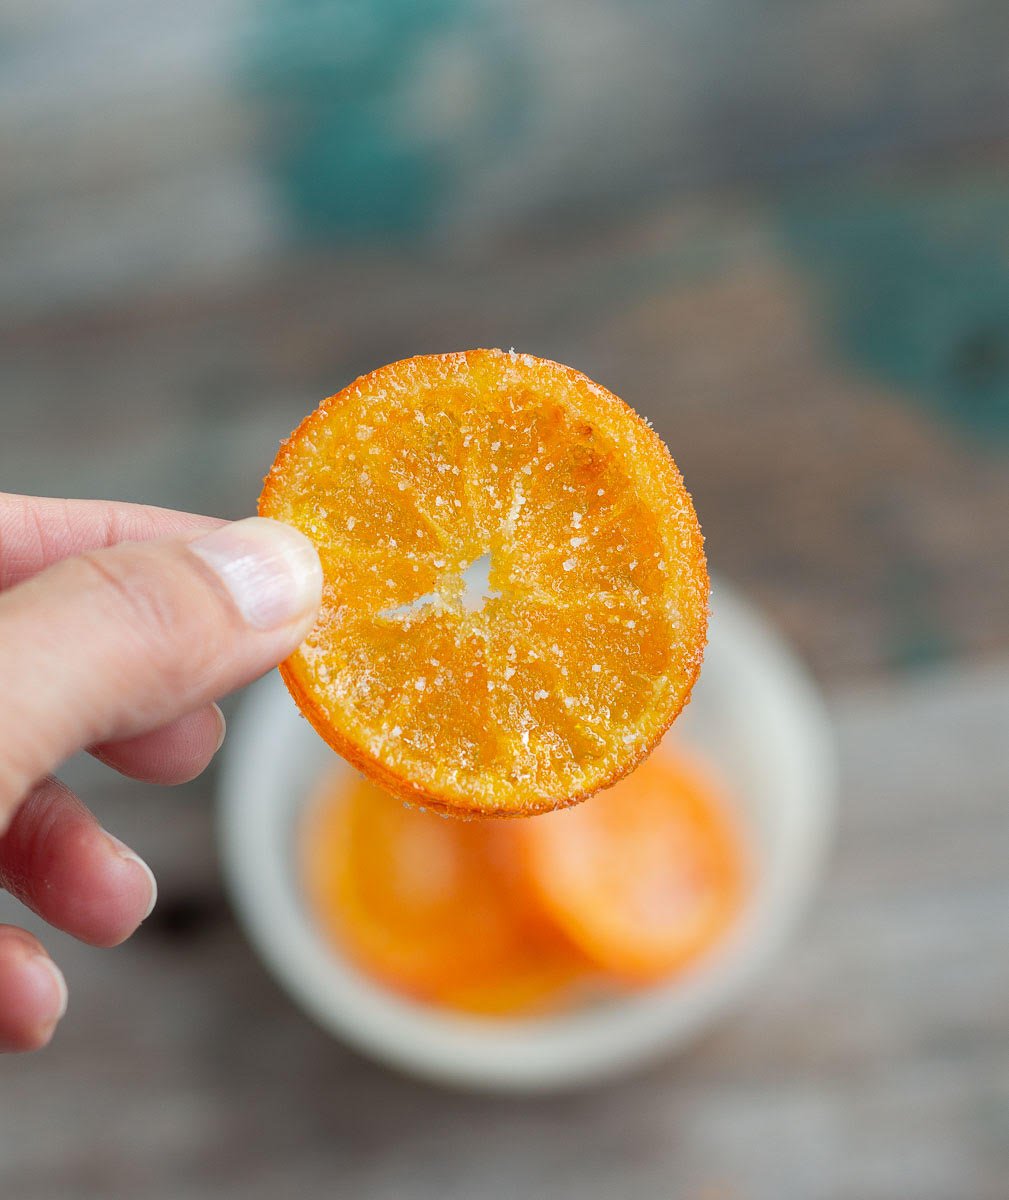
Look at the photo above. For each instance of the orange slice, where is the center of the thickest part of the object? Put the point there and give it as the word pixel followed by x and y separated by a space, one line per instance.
pixel 533 985
pixel 563 670
pixel 435 908
pixel 645 878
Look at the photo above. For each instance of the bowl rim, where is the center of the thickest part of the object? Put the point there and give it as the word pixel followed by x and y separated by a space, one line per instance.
pixel 589 1044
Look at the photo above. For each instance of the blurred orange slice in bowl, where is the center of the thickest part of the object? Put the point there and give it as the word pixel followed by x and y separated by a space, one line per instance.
pixel 648 876
pixel 435 909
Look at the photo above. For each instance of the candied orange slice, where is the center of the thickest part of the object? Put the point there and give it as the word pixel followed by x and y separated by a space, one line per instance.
pixel 434 908
pixel 534 984
pixel 648 876
pixel 515 596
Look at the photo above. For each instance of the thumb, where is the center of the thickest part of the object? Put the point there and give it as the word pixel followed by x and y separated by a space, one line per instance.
pixel 125 639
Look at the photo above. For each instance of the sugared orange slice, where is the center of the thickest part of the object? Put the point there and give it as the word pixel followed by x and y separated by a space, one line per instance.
pixel 434 908
pixel 433 475
pixel 646 877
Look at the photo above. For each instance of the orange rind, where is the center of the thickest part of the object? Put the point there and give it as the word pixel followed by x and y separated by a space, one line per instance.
pixel 586 638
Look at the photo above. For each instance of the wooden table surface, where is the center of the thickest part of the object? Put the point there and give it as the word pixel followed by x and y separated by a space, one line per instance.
pixel 873 1065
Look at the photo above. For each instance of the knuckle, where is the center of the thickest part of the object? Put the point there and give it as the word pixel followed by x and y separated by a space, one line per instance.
pixel 31 840
pixel 176 633
pixel 143 599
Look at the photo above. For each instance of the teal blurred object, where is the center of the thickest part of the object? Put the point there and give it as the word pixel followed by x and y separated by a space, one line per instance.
pixel 918 291
pixel 342 88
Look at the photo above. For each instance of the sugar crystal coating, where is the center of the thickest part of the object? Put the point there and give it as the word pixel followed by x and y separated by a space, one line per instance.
pixel 582 644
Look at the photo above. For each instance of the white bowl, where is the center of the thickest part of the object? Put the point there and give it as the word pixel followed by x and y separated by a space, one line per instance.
pixel 754 712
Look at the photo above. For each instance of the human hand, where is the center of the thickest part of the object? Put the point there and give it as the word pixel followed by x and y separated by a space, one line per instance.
pixel 119 625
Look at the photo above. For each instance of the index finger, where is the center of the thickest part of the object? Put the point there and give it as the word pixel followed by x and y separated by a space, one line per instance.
pixel 36 531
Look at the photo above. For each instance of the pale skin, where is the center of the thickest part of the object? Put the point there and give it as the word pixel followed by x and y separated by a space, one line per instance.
pixel 120 625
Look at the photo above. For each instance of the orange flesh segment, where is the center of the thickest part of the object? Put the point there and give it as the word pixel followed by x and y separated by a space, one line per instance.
pixel 645 878
pixel 591 634
pixel 436 909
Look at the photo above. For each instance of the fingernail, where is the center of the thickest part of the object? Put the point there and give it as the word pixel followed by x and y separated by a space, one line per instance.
pixel 271 571
pixel 222 727
pixel 131 856
pixel 44 966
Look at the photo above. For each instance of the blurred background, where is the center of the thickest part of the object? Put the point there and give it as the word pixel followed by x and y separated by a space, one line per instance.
pixel 778 229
